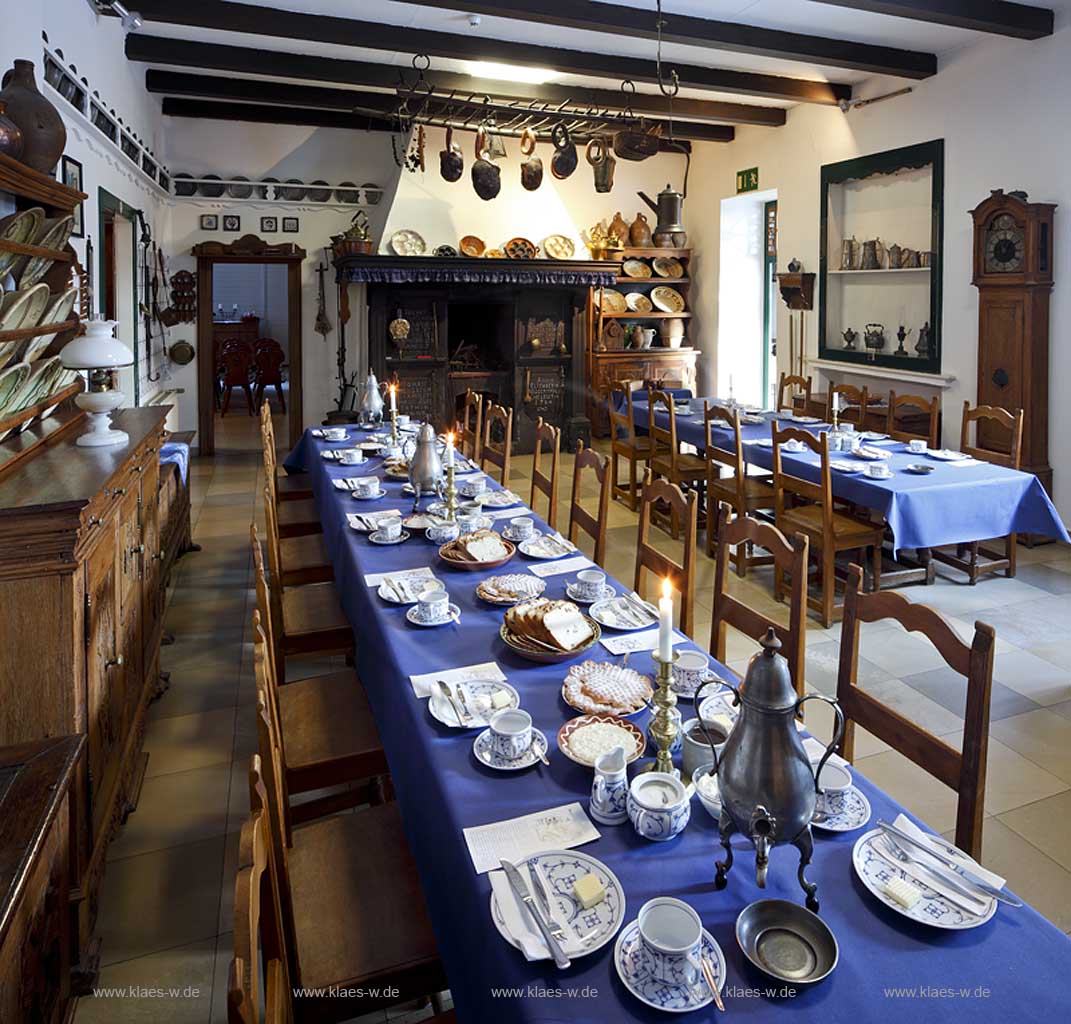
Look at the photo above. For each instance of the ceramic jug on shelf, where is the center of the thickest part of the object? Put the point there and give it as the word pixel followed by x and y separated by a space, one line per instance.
pixel 639 234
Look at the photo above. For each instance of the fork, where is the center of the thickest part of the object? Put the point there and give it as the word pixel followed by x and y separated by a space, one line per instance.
pixel 905 858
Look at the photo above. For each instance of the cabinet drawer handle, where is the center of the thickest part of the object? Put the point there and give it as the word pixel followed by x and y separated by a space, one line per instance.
pixel 137 469
pixel 157 556
pixel 94 521
pixel 116 662
pixel 138 549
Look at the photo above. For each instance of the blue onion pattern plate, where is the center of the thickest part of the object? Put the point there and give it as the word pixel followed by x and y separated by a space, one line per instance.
pixel 562 868
pixel 933 909
pixel 635 969
pixel 852 812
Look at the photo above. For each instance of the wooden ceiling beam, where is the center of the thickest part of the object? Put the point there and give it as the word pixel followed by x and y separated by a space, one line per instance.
pixel 373 104
pixel 224 16
pixel 1020 21
pixel 264 113
pixel 639 23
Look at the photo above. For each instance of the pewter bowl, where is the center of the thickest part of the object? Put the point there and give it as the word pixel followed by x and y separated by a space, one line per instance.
pixel 787 941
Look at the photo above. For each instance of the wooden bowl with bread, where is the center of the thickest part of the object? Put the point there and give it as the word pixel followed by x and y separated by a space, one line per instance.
pixel 546 630
pixel 478 551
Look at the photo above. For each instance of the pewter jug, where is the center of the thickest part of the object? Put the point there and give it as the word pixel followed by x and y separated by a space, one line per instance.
pixel 425 466
pixel 874 336
pixel 767 783
pixel 371 410
pixel 668 212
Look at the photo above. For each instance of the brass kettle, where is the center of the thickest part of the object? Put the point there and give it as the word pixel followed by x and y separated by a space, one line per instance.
pixel 767 783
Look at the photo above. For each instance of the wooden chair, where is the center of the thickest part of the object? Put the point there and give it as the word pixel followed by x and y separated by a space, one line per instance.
pixel 352 913
pixel 742 492
pixel 857 398
pixel 930 406
pixel 268 362
pixel 498 454
pixel 971 557
pixel 327 733
pixel 297 516
pixel 541 483
pixel 826 530
pixel 667 459
pixel 235 365
pixel 624 444
pixel 302 558
pixel 288 486
pixel 304 620
pixel 964 771
pixel 787 388
pixel 681 574
pixel 579 517
pixel 787 556
pixel 469 428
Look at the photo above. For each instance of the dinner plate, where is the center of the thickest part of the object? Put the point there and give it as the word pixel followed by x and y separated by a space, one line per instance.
pixel 481 748
pixel 496 499
pixel 21 227
pixel 668 266
pixel 873 435
pixel 54 234
pixel 667 299
pixel 854 812
pixel 635 268
pixel 638 302
pixel 497 589
pixel 422 520
pixel 561 868
pixel 870 454
pixel 842 466
pixel 545 547
pixel 933 909
pixel 635 968
pixel 409 587
pixel 617 613
pixel 946 455
pixel 804 419
pixel 720 703
pixel 575 725
pixel 612 301
pixel 476 691
pixel 23 308
pixel 12 379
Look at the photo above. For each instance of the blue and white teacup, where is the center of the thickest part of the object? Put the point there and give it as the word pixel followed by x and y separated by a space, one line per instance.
pixel 878 471
pixel 833 785
pixel 474 487
pixel 521 528
pixel 390 529
pixel 658 806
pixel 365 486
pixel 609 789
pixel 671 934
pixel 433 604
pixel 690 670
pixel 511 733
pixel 351 457
pixel 590 584
pixel 442 533
pixel 917 445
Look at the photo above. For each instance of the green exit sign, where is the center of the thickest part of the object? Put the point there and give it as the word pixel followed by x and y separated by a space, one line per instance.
pixel 747 181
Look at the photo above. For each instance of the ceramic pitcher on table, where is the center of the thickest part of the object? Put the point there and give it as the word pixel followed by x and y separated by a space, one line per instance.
pixel 609 789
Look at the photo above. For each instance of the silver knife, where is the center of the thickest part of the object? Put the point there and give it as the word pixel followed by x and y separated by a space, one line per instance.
pixel 643 606
pixel 951 865
pixel 523 893
pixel 540 890
pixel 922 875
pixel 445 691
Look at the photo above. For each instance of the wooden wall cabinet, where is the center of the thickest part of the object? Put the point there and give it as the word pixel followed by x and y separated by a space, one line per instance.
pixel 80 602
pixel 670 367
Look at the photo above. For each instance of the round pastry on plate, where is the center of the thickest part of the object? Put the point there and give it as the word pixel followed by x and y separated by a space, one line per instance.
pixel 604 687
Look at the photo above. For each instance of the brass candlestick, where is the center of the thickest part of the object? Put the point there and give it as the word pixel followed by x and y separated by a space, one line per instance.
pixel 451 494
pixel 665 726
pixel 394 427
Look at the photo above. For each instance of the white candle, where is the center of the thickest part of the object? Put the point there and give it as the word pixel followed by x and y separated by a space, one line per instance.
pixel 665 622
pixel 393 398
pixel 449 450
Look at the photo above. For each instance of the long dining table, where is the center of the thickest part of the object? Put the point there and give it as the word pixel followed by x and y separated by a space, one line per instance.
pixel 1014 967
pixel 952 504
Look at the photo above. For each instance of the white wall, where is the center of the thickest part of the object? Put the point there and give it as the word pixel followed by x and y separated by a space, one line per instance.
pixel 1001 108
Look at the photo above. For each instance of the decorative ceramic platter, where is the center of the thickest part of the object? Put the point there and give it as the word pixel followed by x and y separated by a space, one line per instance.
pixel 407 242
pixel 638 302
pixel 56 311
pixel 668 266
pixel 667 299
pixel 636 268
pixel 521 249
pixel 477 694
pixel 635 968
pixel 21 227
pixel 574 726
pixel 559 247
pixel 533 651
pixel 11 381
pixel 612 301
pixel 53 235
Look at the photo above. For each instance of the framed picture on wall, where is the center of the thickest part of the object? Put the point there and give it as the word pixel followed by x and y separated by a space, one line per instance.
pixel 71 175
pixel 209 221
pixel 291 225
pixel 268 224
pixel 232 222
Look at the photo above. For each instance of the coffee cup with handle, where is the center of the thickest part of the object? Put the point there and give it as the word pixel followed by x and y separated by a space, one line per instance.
pixel 511 732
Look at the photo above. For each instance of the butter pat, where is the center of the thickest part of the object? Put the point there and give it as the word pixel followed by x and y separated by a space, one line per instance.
pixel 902 891
pixel 589 891
pixel 500 699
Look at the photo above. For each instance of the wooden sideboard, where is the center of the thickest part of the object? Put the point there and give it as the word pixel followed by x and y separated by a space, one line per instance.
pixel 671 367
pixel 81 599
pixel 35 879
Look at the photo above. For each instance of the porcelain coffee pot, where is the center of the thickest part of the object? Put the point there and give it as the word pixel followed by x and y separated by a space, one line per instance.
pixel 371 410
pixel 767 783
pixel 425 466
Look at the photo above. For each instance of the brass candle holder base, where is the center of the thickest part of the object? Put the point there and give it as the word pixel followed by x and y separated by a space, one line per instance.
pixel 450 494
pixel 665 726
pixel 394 427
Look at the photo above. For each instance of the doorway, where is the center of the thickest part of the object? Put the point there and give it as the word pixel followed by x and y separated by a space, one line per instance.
pixel 118 293
pixel 248 325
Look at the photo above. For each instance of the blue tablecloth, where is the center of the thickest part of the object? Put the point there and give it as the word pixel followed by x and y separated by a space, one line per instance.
pixel 949 505
pixel 1018 958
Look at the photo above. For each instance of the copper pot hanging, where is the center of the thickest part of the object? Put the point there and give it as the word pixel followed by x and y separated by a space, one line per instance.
pixel 486 176
pixel 531 166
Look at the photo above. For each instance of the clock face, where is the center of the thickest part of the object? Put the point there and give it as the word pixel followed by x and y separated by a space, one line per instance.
pixel 1004 246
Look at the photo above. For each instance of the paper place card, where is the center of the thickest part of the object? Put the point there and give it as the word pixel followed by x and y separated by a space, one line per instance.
pixel 489 670
pixel 645 640
pixel 504 513
pixel 562 565
pixel 374 579
pixel 559 828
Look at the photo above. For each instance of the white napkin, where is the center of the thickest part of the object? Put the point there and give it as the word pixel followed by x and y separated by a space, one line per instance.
pixel 644 640
pixel 562 565
pixel 374 579
pixel 519 921
pixel 906 825
pixel 354 518
pixel 423 683
pixel 815 751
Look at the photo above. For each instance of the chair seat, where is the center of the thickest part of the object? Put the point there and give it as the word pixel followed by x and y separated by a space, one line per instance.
pixel 293 486
pixel 329 732
pixel 314 620
pixel 298 517
pixel 758 492
pixel 359 910
pixel 304 560
pixel 640 448
pixel 689 467
pixel 808 518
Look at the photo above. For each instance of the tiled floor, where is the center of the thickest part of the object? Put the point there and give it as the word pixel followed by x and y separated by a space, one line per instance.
pixel 166 916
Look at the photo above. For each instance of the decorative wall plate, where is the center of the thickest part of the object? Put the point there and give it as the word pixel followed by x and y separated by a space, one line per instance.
pixel 240 191
pixel 667 299
pixel 612 301
pixel 667 266
pixel 21 227
pixel 56 311
pixel 408 242
pixel 472 246
pixel 638 302
pixel 559 247
pixel 11 381
pixel 520 249
pixel 53 235
pixel 636 268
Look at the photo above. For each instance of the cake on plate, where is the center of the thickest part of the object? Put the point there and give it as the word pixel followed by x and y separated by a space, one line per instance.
pixel 558 624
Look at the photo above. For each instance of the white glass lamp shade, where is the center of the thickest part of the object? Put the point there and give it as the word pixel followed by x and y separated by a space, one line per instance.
pixel 97 349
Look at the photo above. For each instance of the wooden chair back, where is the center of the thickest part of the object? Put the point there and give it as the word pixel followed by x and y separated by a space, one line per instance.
pixel 961 770
pixel 789 556
pixel 588 460
pixel 930 406
pixel 622 422
pixel 858 397
pixel 269 599
pixel 716 416
pixel 664 439
pixel 235 363
pixel 498 453
pixel 681 574
pixel 788 386
pixel 786 483
pixel 268 361
pixel 986 417
pixel 471 425
pixel 551 436
pixel 258 936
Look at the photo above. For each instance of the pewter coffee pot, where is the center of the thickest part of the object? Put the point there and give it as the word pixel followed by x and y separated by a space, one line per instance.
pixel 425 466
pixel 767 783
pixel 668 213
pixel 371 409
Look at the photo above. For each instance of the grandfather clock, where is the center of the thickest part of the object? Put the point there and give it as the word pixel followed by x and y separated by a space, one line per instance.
pixel 1013 273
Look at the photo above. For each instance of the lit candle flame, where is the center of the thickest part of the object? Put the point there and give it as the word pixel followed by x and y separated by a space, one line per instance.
pixel 450 438
pixel 667 588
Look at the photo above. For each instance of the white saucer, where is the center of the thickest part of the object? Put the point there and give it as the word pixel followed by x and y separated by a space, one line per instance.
pixel 411 615
pixel 527 548
pixel 633 963
pixel 854 813
pixel 683 693
pixel 608 592
pixel 443 711
pixel 369 497
pixel 375 538
pixel 509 534
pixel 482 749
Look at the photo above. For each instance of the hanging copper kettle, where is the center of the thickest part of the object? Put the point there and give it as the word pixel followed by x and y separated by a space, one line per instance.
pixel 451 162
pixel 531 166
pixel 486 176
pixel 602 162
pixel 564 161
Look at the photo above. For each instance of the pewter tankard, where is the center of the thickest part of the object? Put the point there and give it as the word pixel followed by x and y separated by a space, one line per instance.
pixel 767 783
